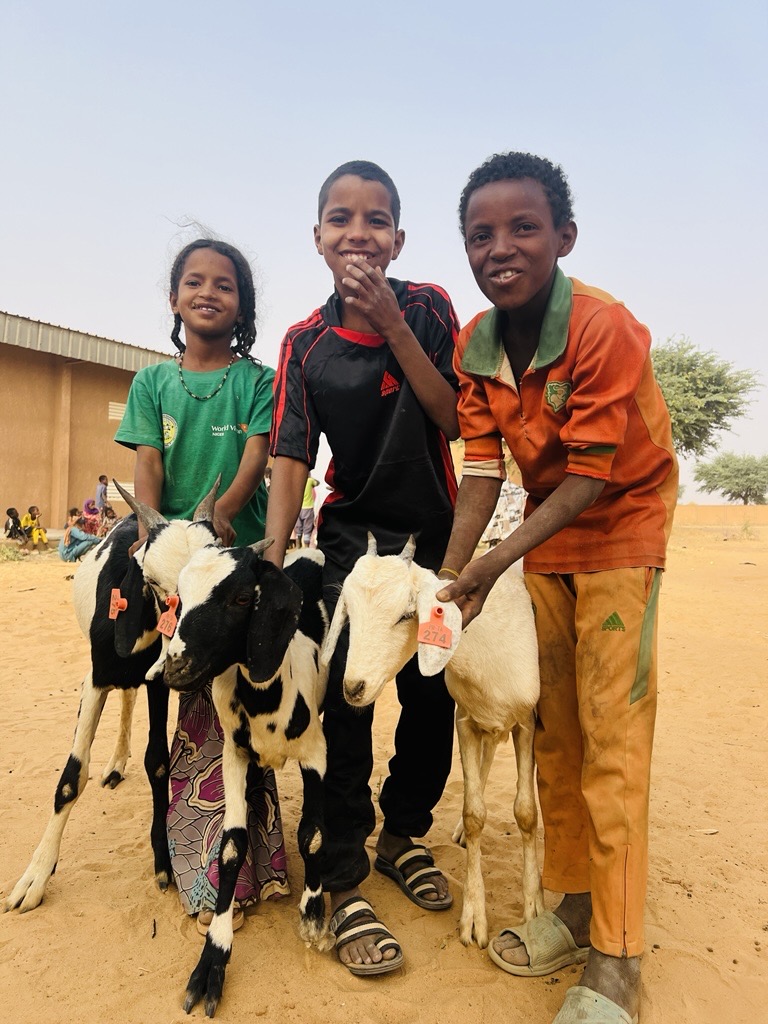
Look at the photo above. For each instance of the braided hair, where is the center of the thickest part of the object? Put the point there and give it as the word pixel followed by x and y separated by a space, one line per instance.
pixel 245 328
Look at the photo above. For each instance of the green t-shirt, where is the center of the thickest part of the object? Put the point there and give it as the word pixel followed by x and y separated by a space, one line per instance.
pixel 199 440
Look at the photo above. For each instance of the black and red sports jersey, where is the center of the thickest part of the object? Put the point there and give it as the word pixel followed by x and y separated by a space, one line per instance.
pixel 391 471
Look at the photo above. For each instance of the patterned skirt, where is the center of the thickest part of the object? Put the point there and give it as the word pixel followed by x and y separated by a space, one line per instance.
pixel 196 815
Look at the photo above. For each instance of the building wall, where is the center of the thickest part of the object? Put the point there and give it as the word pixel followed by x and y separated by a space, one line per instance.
pixel 56 431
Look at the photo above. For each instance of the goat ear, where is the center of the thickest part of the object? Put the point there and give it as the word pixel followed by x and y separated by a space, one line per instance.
pixel 433 659
pixel 129 624
pixel 275 615
pixel 204 511
pixel 334 632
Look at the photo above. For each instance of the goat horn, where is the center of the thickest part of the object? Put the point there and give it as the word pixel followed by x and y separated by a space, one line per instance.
pixel 371 544
pixel 204 511
pixel 409 550
pixel 261 545
pixel 148 516
pixel 334 631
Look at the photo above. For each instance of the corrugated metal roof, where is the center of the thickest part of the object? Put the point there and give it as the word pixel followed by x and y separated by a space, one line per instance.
pixel 60 341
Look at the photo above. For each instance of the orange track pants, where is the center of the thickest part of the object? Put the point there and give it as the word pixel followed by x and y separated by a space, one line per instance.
pixel 594 737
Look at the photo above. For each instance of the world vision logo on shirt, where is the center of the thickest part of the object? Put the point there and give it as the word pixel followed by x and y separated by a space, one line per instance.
pixel 219 429
pixel 557 393
pixel 389 384
pixel 614 623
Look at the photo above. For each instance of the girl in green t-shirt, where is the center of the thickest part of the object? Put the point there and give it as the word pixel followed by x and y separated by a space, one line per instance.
pixel 204 413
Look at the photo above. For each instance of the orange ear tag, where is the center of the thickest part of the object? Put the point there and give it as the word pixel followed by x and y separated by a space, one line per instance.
pixel 117 603
pixel 166 624
pixel 435 632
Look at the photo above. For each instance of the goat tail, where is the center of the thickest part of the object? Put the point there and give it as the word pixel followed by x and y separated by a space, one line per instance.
pixel 338 622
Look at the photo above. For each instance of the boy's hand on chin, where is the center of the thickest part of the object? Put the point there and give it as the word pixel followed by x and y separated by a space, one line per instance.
pixel 373 297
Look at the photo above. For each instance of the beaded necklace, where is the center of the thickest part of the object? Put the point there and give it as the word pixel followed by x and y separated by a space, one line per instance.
pixel 204 398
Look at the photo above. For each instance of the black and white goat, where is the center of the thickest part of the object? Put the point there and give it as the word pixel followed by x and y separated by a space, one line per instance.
pixel 258 631
pixel 491 671
pixel 118 602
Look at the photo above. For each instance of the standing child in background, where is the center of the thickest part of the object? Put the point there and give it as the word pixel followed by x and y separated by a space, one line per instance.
pixel 209 412
pixel 562 372
pixel 101 493
pixel 305 524
pixel 372 371
pixel 32 525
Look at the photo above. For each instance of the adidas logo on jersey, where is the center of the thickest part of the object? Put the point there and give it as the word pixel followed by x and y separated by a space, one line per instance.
pixel 614 623
pixel 389 384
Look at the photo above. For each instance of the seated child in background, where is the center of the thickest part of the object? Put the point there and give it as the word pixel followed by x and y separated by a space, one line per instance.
pixel 91 517
pixel 107 520
pixel 75 542
pixel 14 531
pixel 31 524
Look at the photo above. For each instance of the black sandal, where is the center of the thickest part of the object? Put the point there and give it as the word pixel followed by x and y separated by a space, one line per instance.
pixel 417 881
pixel 355 918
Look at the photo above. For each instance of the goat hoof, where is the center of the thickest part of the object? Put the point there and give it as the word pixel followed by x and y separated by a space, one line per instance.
pixel 112 780
pixel 473 933
pixel 207 980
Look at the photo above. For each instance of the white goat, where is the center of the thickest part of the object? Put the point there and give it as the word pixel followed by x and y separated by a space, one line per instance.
pixel 257 631
pixel 491 671
pixel 126 651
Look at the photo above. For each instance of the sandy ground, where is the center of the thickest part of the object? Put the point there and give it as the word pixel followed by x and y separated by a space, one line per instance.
pixel 107 946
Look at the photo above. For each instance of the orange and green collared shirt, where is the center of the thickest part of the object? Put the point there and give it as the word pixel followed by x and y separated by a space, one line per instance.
pixel 588 404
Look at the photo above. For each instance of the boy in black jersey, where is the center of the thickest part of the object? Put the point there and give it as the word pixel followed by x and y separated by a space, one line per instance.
pixel 372 370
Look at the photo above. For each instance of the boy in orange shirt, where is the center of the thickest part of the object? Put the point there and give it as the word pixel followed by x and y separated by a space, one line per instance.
pixel 562 372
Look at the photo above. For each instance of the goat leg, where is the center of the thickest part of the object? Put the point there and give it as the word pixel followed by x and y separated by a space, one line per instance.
pixel 526 817
pixel 207 979
pixel 473 923
pixel 312 925
pixel 114 773
pixel 157 763
pixel 488 753
pixel 30 888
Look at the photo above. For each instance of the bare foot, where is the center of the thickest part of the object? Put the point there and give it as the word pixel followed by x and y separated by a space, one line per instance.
pixel 575 911
pixel 390 847
pixel 617 978
pixel 364 949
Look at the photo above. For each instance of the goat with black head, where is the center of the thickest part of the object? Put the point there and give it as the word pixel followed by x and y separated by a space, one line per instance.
pixel 120 600
pixel 258 631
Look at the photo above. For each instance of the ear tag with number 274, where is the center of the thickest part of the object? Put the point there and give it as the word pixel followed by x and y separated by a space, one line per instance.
pixel 435 631
pixel 166 624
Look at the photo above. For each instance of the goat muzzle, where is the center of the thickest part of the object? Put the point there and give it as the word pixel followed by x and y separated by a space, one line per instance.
pixel 354 692
pixel 179 676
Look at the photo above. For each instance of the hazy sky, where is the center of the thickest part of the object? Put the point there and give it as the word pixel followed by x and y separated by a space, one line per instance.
pixel 122 123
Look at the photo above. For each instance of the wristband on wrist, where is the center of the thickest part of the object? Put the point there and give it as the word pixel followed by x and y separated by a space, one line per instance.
pixel 451 571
